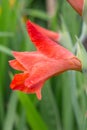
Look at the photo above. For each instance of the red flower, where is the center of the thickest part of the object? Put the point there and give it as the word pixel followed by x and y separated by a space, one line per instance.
pixel 49 59
pixel 78 5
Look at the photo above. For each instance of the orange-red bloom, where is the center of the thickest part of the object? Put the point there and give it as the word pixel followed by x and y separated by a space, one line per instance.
pixel 49 59
pixel 78 5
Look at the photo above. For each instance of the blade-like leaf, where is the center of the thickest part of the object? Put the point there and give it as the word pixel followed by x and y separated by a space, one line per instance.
pixel 11 112
pixel 33 118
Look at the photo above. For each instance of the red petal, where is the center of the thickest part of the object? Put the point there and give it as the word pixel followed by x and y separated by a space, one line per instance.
pixel 18 81
pixel 28 59
pixel 35 88
pixel 16 65
pixel 53 35
pixel 46 45
pixel 38 93
pixel 44 70
pixel 18 84
pixel 78 5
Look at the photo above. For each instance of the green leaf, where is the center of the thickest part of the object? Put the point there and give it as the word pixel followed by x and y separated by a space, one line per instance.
pixel 49 109
pixel 33 117
pixel 85 11
pixel 67 110
pixel 11 112
pixel 75 103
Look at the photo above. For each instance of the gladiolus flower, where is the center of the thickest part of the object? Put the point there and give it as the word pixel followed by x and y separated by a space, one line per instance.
pixel 38 66
pixel 78 5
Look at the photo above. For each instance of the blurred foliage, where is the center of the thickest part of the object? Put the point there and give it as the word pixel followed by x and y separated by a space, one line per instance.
pixel 64 102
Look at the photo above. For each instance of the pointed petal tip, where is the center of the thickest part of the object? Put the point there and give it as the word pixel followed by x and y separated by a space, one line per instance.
pixel 51 34
pixel 10 63
pixel 16 65
pixel 38 94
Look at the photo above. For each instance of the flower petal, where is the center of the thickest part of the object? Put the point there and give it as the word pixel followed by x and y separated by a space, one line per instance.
pixel 78 5
pixel 53 35
pixel 16 65
pixel 35 88
pixel 38 94
pixel 46 45
pixel 18 83
pixel 44 70
pixel 28 59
